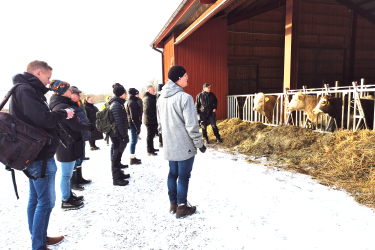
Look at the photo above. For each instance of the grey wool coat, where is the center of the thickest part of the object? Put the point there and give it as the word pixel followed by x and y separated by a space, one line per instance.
pixel 178 123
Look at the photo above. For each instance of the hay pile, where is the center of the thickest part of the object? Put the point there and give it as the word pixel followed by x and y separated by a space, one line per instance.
pixel 342 160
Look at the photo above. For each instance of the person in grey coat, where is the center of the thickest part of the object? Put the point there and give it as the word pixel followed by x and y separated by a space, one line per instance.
pixel 177 121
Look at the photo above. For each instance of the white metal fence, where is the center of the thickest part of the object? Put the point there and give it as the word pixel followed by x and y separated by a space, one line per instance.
pixel 242 106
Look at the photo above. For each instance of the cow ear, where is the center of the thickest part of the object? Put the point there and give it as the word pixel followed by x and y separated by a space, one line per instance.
pixel 266 99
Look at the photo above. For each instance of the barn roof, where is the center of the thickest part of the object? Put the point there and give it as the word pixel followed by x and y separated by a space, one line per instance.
pixel 187 8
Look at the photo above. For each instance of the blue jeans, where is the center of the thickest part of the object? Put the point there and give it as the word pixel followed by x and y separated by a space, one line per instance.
pixel 42 199
pixel 80 160
pixel 111 151
pixel 66 174
pixel 179 170
pixel 133 138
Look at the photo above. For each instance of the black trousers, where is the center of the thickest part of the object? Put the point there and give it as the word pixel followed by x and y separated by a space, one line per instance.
pixel 160 139
pixel 211 119
pixel 152 129
pixel 92 143
pixel 118 149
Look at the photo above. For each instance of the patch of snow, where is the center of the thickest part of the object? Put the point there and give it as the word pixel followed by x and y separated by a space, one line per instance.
pixel 239 206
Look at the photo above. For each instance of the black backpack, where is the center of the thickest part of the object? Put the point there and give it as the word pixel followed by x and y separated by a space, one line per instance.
pixel 20 143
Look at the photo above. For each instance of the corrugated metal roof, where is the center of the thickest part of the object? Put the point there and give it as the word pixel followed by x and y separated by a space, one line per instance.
pixel 367 5
pixel 182 20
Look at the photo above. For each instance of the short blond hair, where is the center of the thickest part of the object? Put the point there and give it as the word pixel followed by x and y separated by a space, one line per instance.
pixel 35 65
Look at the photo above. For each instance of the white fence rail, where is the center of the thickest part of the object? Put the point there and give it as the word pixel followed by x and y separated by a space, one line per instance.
pixel 242 106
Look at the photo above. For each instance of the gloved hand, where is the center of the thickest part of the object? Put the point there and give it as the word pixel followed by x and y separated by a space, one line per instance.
pixel 138 131
pixel 92 127
pixel 203 149
pixel 125 140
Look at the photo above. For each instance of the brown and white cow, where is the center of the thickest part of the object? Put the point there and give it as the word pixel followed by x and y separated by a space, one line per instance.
pixel 264 104
pixel 306 103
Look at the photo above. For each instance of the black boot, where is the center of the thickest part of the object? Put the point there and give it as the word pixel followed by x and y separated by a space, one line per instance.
pixel 71 204
pixel 119 165
pixel 124 176
pixel 120 182
pixel 73 182
pixel 80 179
pixel 74 197
pixel 135 161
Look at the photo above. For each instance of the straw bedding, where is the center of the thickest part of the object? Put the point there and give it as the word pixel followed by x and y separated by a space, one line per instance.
pixel 341 160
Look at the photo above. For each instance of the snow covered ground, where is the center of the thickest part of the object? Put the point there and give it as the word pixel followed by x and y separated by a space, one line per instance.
pixel 239 206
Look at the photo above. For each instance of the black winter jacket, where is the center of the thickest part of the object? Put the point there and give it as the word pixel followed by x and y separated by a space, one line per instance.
pixel 149 109
pixel 117 114
pixel 91 115
pixel 73 127
pixel 133 110
pixel 28 104
pixel 205 102
pixel 81 115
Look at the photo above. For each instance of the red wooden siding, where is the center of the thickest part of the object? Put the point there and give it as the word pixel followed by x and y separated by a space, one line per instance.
pixel 204 56
pixel 169 56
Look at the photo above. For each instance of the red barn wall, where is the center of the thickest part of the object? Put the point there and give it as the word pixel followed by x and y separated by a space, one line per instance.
pixel 169 56
pixel 204 56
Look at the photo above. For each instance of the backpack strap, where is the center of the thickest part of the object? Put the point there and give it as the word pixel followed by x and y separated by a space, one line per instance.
pixel 9 94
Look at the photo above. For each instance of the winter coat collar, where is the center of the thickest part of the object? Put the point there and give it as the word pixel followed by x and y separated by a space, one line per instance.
pixel 31 80
pixel 170 89
pixel 133 97
pixel 57 99
pixel 89 104
pixel 149 95
pixel 116 99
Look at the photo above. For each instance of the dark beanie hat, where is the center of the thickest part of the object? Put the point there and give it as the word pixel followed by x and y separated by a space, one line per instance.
pixel 160 86
pixel 59 87
pixel 118 89
pixel 133 91
pixel 176 72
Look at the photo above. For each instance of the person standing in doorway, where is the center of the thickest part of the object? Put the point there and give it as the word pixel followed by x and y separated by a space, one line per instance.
pixel 177 121
pixel 206 105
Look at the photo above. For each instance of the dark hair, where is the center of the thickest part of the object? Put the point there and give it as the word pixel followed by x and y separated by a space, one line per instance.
pixel 35 65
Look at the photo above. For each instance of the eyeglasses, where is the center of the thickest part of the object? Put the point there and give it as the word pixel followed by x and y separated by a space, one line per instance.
pixel 186 76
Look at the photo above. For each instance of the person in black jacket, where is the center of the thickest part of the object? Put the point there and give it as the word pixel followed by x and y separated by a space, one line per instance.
pixel 28 104
pixel 133 111
pixel 68 155
pixel 77 179
pixel 150 118
pixel 206 104
pixel 119 137
pixel 91 114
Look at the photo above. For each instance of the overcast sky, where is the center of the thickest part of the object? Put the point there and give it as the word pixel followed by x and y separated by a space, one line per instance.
pixel 90 44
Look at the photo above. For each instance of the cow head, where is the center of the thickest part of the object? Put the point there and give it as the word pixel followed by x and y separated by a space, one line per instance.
pixel 323 106
pixel 297 102
pixel 259 100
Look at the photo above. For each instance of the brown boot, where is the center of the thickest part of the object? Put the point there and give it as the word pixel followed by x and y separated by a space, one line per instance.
pixel 173 208
pixel 183 211
pixel 54 240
